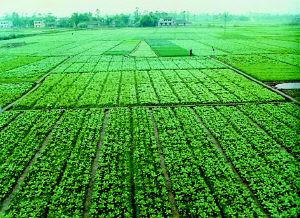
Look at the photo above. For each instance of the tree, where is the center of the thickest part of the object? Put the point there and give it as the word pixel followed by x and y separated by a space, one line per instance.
pixel 136 15
pixel 75 19
pixel 15 19
pixel 148 20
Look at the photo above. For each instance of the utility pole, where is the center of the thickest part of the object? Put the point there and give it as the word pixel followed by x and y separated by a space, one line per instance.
pixel 225 21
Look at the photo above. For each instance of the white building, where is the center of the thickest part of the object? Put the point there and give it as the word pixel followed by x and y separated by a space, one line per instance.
pixel 6 24
pixel 39 24
pixel 166 22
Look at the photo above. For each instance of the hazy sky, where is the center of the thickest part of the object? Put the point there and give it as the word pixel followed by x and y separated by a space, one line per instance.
pixel 66 7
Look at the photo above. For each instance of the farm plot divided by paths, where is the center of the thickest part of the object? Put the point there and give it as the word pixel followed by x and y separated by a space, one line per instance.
pixel 98 126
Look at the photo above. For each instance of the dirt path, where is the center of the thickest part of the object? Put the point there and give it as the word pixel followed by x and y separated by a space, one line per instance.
pixel 89 196
pixel 164 168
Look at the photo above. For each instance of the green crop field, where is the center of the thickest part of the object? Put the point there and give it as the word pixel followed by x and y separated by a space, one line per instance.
pixel 125 123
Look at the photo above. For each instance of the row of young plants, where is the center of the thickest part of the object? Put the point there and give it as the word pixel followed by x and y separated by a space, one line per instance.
pixel 262 67
pixel 232 197
pixel 243 87
pixel 124 48
pixel 285 129
pixel 150 194
pixel 127 88
pixel 273 188
pixel 11 62
pixel 35 192
pixel 31 72
pixel 262 143
pixel 193 196
pixel 19 143
pixel 7 117
pixel 69 195
pixel 120 63
pixel 10 92
pixel 113 192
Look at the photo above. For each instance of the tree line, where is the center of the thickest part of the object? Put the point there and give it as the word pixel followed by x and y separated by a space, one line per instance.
pixel 137 19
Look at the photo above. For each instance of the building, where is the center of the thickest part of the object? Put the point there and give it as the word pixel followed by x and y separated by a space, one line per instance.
pixel 6 24
pixel 166 22
pixel 39 24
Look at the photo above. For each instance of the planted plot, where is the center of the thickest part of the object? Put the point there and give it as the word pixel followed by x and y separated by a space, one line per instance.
pixel 198 48
pixel 165 48
pixel 10 92
pixel 11 62
pixel 124 48
pixel 241 147
pixel 190 155
pixel 89 64
pixel 262 67
pixel 46 172
pixel 20 141
pixel 31 72
pixel 143 50
pixel 127 88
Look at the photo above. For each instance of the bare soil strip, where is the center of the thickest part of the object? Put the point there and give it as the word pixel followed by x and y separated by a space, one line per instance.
pixel 257 81
pixel 263 130
pixel 38 83
pixel 164 168
pixel 8 199
pixel 217 145
pixel 89 195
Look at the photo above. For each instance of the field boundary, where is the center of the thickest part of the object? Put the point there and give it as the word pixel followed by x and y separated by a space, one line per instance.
pixel 230 164
pixel 257 81
pixel 89 194
pixel 9 198
pixel 171 196
pixel 37 84
pixel 159 106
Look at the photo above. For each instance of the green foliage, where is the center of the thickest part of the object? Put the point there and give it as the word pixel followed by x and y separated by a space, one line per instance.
pixel 166 48
pixel 12 91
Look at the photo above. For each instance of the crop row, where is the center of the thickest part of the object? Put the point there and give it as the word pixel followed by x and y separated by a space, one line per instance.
pixel 11 62
pixel 90 64
pixel 286 130
pixel 145 88
pixel 124 48
pixel 130 181
pixel 270 172
pixel 263 67
pixel 61 47
pixel 31 72
pixel 203 183
pixel 12 91
pixel 19 142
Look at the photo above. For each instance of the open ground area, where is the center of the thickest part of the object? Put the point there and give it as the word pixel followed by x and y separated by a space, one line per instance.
pixel 125 123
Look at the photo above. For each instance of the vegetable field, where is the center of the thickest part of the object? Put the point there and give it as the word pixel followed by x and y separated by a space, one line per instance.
pixel 124 123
